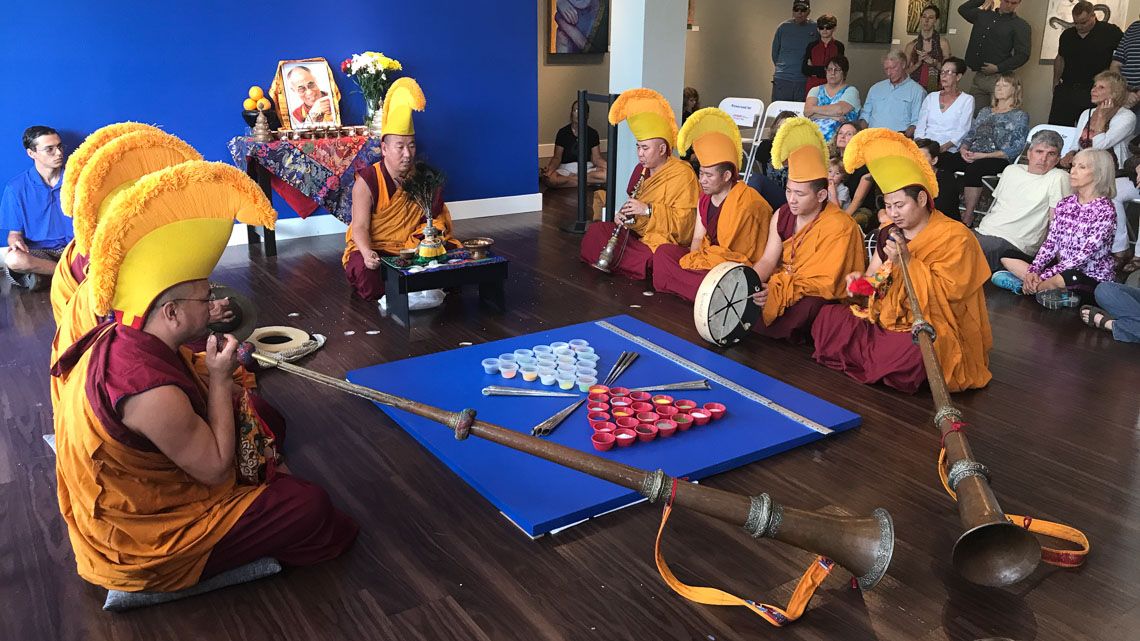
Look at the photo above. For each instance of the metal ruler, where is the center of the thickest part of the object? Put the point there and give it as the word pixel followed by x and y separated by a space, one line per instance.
pixel 716 378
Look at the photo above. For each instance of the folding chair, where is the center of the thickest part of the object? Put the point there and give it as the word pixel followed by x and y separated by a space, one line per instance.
pixel 770 114
pixel 747 113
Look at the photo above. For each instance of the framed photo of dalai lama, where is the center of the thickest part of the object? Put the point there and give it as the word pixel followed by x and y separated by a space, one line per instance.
pixel 306 94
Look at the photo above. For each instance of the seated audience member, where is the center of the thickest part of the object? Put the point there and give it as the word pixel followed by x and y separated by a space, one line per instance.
pixel 30 211
pixel 995 139
pixel 873 343
pixel 1077 252
pixel 926 53
pixel 690 103
pixel 1118 311
pixel 1127 181
pixel 384 218
pixel 820 52
pixel 732 219
pixel 766 179
pixel 1109 124
pixel 162 480
pixel 562 170
pixel 1023 204
pixel 946 115
pixel 663 190
pixel 811 243
pixel 894 103
pixel 834 102
pixel 837 191
pixel 946 199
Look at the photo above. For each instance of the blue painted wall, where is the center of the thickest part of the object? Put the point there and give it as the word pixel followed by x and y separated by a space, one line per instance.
pixel 186 66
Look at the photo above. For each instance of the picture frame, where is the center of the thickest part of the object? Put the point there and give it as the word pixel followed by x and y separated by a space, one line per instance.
pixel 871 21
pixel 578 27
pixel 305 94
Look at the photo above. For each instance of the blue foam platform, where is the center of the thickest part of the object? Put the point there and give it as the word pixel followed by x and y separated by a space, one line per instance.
pixel 540 496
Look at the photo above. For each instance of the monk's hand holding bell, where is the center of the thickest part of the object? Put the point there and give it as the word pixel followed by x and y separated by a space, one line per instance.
pixel 221 356
pixel 372 260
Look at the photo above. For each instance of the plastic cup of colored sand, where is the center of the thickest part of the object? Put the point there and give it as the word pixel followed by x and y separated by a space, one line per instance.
pixel 546 375
pixel 567 369
pixel 700 417
pixel 579 342
pixel 491 365
pixel 605 426
pixel 522 351
pixel 508 369
pixel 620 401
pixel 625 436
pixel 595 406
pixel 626 422
pixel 646 432
pixel 566 360
pixel 640 396
pixel 564 351
pixel 542 350
pixel 565 380
pixel 603 441
pixel 662 399
pixel 557 345
pixel 600 389
pixel 619 412
pixel 598 398
pixel 666 411
pixel 683 421
pixel 685 406
pixel 641 406
pixel 587 358
pixel 526 360
pixel 584 382
pixel 597 417
pixel 715 410
pixel 528 372
pixel 507 358
pixel 619 391
pixel 582 349
pixel 666 428
pixel 647 417
pixel 587 371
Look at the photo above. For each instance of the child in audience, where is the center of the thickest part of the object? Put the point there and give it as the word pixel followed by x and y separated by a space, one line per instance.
pixel 837 192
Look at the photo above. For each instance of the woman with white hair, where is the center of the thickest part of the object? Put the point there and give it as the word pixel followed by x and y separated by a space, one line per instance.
pixel 1109 123
pixel 1077 253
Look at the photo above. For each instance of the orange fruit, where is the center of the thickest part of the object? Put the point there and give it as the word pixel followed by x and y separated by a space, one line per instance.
pixel 256 93
pixel 249 104
pixel 263 104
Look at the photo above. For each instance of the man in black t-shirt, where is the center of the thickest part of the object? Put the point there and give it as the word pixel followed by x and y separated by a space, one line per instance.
pixel 1083 50
pixel 562 170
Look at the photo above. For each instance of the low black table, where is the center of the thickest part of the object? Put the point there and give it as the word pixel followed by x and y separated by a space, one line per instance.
pixel 456 269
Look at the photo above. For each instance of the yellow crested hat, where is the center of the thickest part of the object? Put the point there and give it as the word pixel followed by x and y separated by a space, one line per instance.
pixel 714 137
pixel 403 97
pixel 114 167
pixel 648 113
pixel 799 144
pixel 893 160
pixel 170 227
pixel 83 152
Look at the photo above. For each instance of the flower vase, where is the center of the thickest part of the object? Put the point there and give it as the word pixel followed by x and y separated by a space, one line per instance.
pixel 375 117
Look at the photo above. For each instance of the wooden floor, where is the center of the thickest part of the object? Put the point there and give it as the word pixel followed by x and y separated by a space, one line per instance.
pixel 1058 427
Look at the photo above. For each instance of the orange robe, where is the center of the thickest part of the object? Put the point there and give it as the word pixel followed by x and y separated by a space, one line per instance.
pixel 948 269
pixel 63 281
pixel 671 191
pixel 135 520
pixel 397 221
pixel 815 262
pixel 741 231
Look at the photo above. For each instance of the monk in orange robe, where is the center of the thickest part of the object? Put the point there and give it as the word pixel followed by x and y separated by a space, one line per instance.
pixel 146 450
pixel 732 218
pixel 873 343
pixel 384 218
pixel 663 191
pixel 812 243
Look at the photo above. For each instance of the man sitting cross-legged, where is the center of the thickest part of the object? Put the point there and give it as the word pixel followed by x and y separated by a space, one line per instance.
pixel 812 243
pixel 732 221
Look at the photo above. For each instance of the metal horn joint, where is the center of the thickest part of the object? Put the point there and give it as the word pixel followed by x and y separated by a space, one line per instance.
pixel 922 327
pixel 948 412
pixel 963 468
pixel 759 516
pixel 655 486
pixel 462 422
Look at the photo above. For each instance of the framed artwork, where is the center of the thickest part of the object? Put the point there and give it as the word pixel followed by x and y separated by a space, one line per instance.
pixel 306 94
pixel 871 21
pixel 1059 16
pixel 914 9
pixel 579 27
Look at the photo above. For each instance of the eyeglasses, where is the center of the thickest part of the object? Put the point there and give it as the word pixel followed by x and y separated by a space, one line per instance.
pixel 800 10
pixel 308 86
pixel 207 300
pixel 948 72
pixel 826 27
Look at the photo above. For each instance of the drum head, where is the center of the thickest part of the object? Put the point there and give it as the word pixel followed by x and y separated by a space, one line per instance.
pixel 724 311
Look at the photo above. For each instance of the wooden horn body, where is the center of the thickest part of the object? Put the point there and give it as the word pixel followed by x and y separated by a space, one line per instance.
pixel 862 545
pixel 991 551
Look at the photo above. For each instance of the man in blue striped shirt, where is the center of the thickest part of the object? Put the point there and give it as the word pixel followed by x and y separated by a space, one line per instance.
pixel 1126 61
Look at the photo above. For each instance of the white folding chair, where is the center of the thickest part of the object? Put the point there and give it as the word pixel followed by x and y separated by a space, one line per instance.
pixel 762 127
pixel 747 113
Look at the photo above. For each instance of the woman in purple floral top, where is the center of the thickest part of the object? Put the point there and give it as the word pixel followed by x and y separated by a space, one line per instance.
pixel 1077 253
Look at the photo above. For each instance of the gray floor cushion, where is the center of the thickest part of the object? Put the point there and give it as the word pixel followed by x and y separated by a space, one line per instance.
pixel 121 601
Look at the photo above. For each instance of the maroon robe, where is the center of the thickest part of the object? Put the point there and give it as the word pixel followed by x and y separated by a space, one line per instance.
pixel 795 323
pixel 668 275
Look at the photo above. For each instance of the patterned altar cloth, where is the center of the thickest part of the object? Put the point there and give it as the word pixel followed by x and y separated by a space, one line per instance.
pixel 311 173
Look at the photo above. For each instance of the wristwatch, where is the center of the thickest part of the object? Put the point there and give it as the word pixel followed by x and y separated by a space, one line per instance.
pixel 649 210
